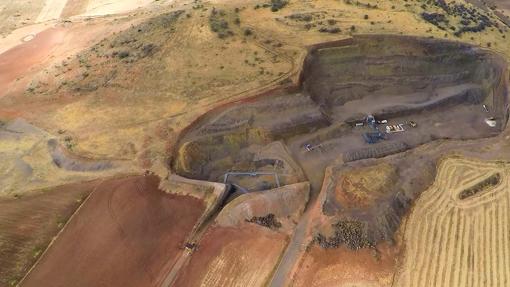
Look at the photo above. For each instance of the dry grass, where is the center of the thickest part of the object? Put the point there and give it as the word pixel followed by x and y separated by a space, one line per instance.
pixel 195 70
pixel 459 242
pixel 16 14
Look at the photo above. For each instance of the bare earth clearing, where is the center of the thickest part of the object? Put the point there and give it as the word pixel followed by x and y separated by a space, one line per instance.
pixel 29 223
pixel 126 224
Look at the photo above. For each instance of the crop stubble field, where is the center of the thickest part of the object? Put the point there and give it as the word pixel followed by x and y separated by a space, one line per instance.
pixel 459 242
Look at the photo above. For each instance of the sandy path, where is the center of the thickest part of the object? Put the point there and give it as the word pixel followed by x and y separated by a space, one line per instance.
pixel 105 7
pixel 51 10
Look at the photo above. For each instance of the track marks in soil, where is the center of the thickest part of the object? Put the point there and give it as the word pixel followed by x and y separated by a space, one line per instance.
pixel 453 242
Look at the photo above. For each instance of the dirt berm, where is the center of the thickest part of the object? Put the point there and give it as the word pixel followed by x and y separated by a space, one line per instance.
pixel 286 204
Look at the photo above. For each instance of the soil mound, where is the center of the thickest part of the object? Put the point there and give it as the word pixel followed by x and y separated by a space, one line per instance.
pixel 63 160
pixel 285 205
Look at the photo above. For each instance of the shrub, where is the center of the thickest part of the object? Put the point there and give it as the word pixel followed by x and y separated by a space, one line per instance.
pixel 248 32
pixel 278 4
pixel 123 54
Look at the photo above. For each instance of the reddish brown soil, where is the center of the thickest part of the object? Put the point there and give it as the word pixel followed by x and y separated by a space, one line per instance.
pixel 124 235
pixel 345 267
pixel 226 256
pixel 17 61
pixel 28 224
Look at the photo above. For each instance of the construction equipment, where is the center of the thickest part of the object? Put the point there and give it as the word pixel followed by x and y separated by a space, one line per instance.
pixel 309 147
pixel 373 137
pixel 190 246
pixel 371 121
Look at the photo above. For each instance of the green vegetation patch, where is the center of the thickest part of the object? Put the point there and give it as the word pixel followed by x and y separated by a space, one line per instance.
pixel 485 184
pixel 268 221
pixel 219 24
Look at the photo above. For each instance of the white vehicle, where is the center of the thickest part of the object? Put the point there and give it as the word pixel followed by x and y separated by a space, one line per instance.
pixel 394 128
pixel 491 122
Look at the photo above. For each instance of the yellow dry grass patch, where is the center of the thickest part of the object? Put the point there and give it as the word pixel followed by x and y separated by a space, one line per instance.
pixel 31 167
pixel 113 130
pixel 362 184
pixel 17 14
pixel 390 17
pixel 454 242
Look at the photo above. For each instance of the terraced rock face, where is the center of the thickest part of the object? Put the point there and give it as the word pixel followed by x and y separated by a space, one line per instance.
pixel 451 241
pixel 439 85
pixel 432 89
pixel 395 76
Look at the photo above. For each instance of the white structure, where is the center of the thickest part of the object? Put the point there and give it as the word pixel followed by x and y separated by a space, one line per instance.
pixel 394 128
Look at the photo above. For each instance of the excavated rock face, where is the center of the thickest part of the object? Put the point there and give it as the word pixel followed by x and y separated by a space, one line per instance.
pixel 363 205
pixel 403 71
pixel 395 78
pixel 432 89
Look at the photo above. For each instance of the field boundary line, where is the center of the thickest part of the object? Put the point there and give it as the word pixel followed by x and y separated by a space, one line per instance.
pixel 66 224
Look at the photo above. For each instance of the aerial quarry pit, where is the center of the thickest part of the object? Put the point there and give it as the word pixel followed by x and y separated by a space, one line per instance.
pixel 254 143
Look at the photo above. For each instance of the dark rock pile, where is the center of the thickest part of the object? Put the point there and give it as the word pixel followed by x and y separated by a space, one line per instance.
pixel 268 221
pixel 351 233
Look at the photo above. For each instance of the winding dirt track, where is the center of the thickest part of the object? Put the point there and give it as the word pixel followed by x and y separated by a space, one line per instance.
pixel 453 242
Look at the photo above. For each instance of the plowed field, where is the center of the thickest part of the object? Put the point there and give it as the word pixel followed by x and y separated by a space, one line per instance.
pixel 454 240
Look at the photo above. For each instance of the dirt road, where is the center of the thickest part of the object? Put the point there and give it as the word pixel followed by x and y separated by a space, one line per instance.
pixel 295 250
pixel 51 10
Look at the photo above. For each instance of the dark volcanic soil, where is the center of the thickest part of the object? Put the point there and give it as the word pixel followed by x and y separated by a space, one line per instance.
pixel 124 235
